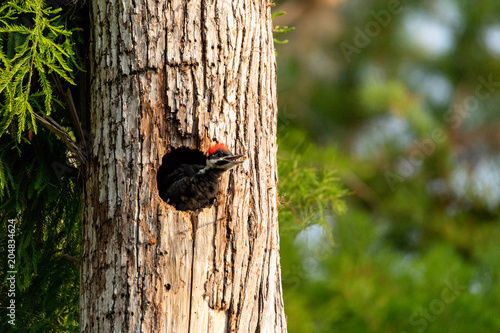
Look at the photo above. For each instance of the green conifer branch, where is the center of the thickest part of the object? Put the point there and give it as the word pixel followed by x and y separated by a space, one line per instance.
pixel 39 50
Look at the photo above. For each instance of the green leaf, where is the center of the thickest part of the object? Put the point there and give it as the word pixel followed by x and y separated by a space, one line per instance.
pixel 275 15
pixel 32 52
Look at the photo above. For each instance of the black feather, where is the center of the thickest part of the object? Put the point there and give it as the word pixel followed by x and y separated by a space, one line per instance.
pixel 188 189
pixel 192 184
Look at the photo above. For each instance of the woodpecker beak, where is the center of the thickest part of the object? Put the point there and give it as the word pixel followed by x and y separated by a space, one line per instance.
pixel 228 162
pixel 233 159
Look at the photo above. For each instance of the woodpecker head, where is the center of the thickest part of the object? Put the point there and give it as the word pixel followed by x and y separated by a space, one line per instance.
pixel 221 158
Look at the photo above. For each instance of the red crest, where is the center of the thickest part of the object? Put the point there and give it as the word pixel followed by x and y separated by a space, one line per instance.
pixel 216 147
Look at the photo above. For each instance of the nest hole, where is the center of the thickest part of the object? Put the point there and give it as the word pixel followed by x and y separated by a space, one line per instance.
pixel 172 161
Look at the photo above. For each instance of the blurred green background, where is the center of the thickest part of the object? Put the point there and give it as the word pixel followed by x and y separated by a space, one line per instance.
pixel 389 137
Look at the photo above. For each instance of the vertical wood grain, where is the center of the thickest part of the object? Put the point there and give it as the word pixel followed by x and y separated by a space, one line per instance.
pixel 169 74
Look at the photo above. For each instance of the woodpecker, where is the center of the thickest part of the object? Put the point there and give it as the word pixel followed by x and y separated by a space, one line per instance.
pixel 194 186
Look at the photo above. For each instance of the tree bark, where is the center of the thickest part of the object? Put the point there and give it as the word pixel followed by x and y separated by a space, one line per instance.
pixel 170 74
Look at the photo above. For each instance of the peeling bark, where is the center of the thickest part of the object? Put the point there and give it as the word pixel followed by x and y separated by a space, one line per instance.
pixel 170 74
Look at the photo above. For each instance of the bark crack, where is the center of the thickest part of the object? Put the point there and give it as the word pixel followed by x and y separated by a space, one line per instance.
pixel 139 167
pixel 194 129
pixel 204 45
pixel 227 265
pixel 194 225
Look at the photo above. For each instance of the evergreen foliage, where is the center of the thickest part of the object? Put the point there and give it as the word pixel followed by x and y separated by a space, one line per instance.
pixel 38 183
pixel 311 194
pixel 38 49
pixel 281 30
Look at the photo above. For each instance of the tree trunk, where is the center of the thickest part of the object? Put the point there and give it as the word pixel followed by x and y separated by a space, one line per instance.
pixel 170 74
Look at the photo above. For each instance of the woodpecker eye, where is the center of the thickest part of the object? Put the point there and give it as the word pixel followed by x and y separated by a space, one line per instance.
pixel 219 153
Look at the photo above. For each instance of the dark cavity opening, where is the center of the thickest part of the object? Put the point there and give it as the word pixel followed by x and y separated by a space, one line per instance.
pixel 173 161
